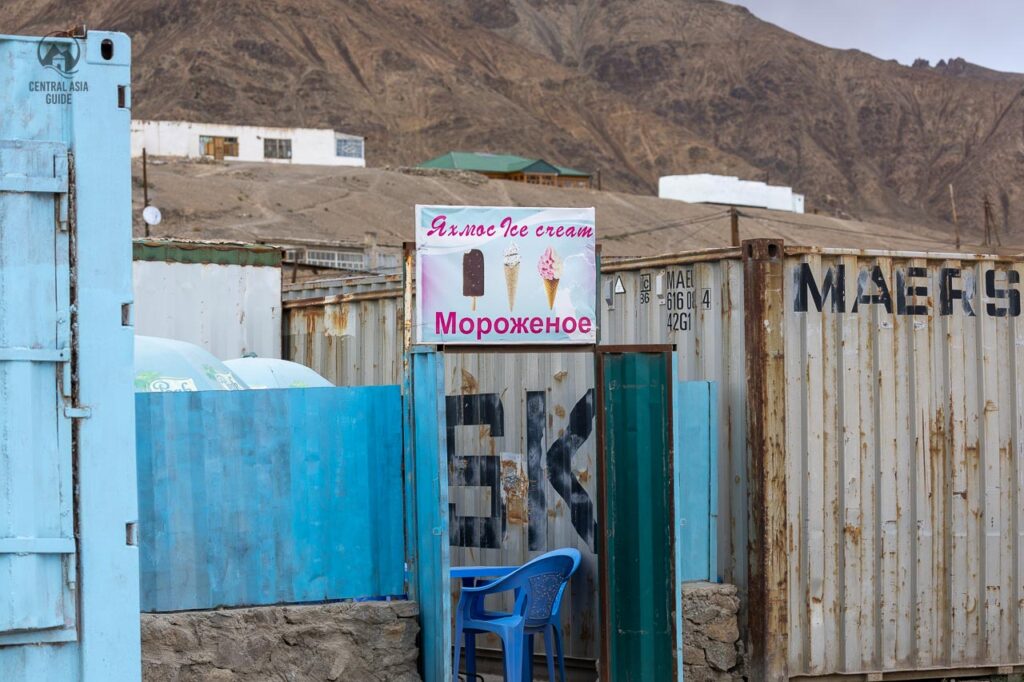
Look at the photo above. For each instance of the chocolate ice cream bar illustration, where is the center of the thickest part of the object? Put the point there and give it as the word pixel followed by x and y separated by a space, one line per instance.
pixel 550 268
pixel 473 274
pixel 511 273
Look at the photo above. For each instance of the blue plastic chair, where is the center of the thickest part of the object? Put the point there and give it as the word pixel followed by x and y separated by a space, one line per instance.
pixel 538 586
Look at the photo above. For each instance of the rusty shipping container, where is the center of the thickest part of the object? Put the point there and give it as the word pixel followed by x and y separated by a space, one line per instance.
pixel 870 478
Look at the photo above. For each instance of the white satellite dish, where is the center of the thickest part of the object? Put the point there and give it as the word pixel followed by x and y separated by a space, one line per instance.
pixel 151 214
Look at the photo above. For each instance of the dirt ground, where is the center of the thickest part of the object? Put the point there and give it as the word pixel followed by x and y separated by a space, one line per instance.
pixel 260 202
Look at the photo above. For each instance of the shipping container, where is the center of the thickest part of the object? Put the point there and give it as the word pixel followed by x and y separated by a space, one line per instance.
pixel 870 430
pixel 222 296
pixel 349 330
pixel 69 581
pixel 871 415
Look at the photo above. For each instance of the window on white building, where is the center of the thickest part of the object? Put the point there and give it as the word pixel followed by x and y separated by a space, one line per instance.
pixel 217 146
pixel 345 260
pixel 277 149
pixel 348 147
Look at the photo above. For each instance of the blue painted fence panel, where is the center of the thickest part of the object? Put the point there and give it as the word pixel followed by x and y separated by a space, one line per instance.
pixel 427 485
pixel 274 496
pixel 696 447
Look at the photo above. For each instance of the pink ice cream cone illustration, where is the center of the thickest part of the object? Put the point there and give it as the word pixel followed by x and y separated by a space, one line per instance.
pixel 550 268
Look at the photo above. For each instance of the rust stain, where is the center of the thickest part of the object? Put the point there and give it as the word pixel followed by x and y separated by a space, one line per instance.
pixel 583 475
pixel 852 532
pixel 560 411
pixel 312 318
pixel 515 488
pixel 336 319
pixel 469 383
pixel 561 375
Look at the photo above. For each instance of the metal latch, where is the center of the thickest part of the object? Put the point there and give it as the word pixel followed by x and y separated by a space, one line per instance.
pixel 77 412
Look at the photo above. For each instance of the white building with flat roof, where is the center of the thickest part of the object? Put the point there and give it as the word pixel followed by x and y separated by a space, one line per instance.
pixel 706 188
pixel 313 146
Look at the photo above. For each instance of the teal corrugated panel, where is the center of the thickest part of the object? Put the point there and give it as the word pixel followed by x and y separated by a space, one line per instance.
pixel 638 527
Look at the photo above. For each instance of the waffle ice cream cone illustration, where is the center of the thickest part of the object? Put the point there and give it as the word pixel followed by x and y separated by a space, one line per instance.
pixel 551 288
pixel 550 268
pixel 511 274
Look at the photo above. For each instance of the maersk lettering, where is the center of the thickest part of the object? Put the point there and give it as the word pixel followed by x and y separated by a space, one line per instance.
pixel 992 290
pixel 833 287
pixel 916 291
pixel 875 292
pixel 906 289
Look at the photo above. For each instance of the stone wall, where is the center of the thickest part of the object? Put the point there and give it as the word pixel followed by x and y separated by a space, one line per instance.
pixel 711 646
pixel 365 641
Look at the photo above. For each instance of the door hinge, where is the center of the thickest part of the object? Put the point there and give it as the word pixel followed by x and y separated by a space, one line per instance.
pixel 60 170
pixel 77 412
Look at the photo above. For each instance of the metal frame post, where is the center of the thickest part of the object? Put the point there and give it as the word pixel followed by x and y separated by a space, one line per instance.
pixel 767 600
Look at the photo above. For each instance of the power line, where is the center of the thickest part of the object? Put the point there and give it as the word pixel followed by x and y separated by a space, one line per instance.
pixel 668 226
pixel 832 228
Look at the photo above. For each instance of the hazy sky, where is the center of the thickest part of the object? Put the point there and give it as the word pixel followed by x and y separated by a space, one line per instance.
pixel 985 32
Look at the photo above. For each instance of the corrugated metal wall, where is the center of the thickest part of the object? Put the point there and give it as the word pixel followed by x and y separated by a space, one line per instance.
pixel 903 479
pixel 695 302
pixel 228 309
pixel 351 334
pixel 887 517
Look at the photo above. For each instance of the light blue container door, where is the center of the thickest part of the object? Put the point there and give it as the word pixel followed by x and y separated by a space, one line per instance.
pixel 37 546
pixel 695 421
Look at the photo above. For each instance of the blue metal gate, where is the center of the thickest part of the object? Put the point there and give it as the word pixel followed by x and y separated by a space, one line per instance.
pixel 249 498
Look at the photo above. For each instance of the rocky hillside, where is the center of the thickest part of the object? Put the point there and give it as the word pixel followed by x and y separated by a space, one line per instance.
pixel 635 88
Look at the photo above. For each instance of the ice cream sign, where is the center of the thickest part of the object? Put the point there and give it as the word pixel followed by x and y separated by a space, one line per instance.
pixel 499 275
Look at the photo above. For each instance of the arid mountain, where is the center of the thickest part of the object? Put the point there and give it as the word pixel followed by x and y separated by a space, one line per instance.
pixel 635 88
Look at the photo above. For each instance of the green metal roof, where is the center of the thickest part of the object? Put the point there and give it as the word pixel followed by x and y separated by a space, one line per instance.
pixel 565 170
pixel 482 162
pixel 219 253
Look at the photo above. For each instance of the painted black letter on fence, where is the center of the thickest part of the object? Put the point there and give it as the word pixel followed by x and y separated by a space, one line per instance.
pixel 581 507
pixel 536 418
pixel 476 470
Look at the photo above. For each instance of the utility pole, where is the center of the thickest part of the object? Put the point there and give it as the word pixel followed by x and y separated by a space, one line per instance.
pixel 956 222
pixel 990 226
pixel 145 188
pixel 734 220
